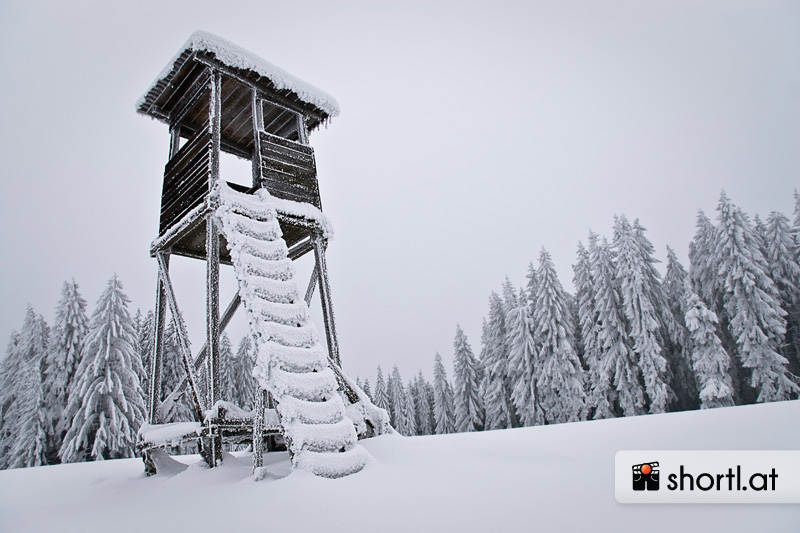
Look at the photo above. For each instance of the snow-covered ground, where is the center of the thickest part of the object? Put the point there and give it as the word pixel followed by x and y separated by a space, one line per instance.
pixel 553 478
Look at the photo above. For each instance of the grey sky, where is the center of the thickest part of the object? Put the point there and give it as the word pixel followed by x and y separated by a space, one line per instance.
pixel 471 135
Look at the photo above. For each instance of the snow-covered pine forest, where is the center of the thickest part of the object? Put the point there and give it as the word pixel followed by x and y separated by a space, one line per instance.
pixel 631 339
pixel 628 341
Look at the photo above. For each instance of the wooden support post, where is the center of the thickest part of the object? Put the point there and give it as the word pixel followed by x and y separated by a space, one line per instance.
pixel 157 361
pixel 258 430
pixel 215 124
pixel 180 330
pixel 312 284
pixel 213 444
pixel 302 129
pixel 258 125
pixel 212 308
pixel 174 140
pixel 325 297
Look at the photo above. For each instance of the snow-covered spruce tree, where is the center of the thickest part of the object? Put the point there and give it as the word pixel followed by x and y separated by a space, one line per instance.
pixel 599 400
pixel 495 386
pixel 144 334
pixel 752 305
pixel 229 371
pixel 684 384
pixel 246 386
pixel 27 352
pixel 675 280
pixel 523 365
pixel 560 380
pixel 381 398
pixel 710 361
pixel 402 417
pixel 783 257
pixel 63 355
pixel 408 421
pixel 641 314
pixel 422 406
pixel 466 383
pixel 395 392
pixel 106 405
pixel 10 368
pixel 619 378
pixel 30 436
pixel 679 376
pixel 442 398
pixel 368 390
pixel 702 266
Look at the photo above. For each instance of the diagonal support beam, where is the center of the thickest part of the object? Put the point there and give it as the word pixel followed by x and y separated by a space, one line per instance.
pixel 319 243
pixel 201 356
pixel 183 340
pixel 312 284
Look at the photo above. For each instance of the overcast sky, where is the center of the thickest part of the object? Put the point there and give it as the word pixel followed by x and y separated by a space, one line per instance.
pixel 471 136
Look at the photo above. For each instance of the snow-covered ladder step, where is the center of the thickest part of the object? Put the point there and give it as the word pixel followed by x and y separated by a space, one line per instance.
pixel 291 362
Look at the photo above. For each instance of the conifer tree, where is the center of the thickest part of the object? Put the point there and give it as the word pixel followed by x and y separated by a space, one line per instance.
pixel 402 410
pixel 710 361
pixel 783 257
pixel 63 355
pixel 678 345
pixel 368 390
pixel 407 420
pixel 422 406
pixel 632 272
pixel 230 369
pixel 619 378
pixel 21 396
pixel 145 336
pixel 466 379
pixel 523 365
pixel 599 399
pixel 10 368
pixel 702 268
pixel 443 399
pixel 395 393
pixel 381 396
pixel 245 386
pixel 560 380
pixel 751 303
pixel 495 387
pixel 675 284
pixel 30 436
pixel 106 405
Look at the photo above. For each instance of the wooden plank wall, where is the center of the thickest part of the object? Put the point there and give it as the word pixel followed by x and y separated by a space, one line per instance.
pixel 288 169
pixel 186 178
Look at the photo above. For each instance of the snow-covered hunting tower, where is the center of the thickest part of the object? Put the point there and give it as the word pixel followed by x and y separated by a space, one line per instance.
pixel 217 97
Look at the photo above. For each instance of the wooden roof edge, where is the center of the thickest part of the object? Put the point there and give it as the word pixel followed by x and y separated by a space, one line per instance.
pixel 323 106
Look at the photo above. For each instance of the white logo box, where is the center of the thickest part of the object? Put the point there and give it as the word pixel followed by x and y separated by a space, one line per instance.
pixel 717 476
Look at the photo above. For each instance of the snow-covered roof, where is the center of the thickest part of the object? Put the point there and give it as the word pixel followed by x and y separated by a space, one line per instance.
pixel 236 57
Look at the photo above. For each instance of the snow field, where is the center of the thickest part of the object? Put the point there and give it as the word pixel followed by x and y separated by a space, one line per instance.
pixel 546 478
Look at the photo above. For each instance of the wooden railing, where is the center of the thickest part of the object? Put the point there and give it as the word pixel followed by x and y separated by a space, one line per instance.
pixel 288 170
pixel 186 179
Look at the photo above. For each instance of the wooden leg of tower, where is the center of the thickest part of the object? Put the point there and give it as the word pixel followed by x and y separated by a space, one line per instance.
pixel 212 327
pixel 157 361
pixel 325 298
pixel 258 430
